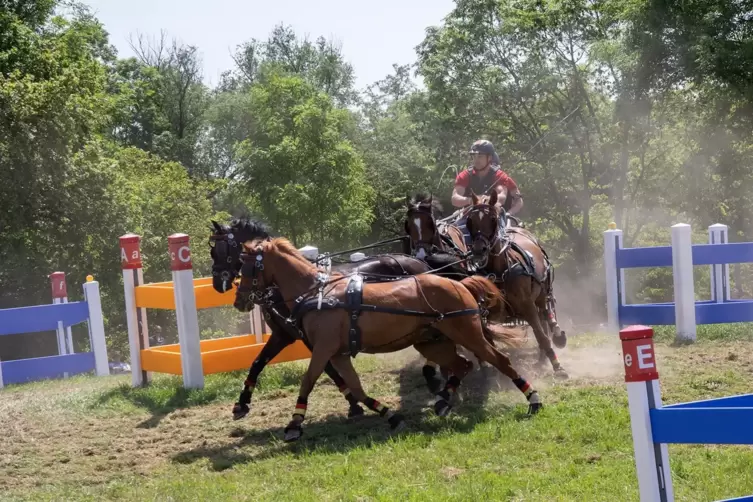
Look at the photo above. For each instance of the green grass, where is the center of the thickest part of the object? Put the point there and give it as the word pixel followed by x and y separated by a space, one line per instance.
pixel 98 439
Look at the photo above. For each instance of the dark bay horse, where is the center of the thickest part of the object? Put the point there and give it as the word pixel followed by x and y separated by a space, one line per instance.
pixel 342 316
pixel 523 295
pixel 517 263
pixel 225 242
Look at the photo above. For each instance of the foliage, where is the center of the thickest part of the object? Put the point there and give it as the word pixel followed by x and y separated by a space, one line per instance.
pixel 307 178
pixel 625 111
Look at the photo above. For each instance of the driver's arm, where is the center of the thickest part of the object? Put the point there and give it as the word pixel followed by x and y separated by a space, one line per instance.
pixel 501 196
pixel 458 197
pixel 517 205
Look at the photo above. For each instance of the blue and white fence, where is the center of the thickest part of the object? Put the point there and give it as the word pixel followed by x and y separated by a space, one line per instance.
pixel 58 317
pixel 725 420
pixel 682 255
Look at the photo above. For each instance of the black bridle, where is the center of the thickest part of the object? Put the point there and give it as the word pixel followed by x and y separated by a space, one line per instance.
pixel 252 265
pixel 225 252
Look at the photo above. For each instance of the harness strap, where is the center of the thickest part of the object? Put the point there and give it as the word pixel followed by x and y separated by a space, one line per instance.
pixel 353 302
pixel 354 305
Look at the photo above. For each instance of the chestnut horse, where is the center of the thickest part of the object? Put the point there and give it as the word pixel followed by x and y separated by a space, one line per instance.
pixel 517 263
pixel 225 250
pixel 341 316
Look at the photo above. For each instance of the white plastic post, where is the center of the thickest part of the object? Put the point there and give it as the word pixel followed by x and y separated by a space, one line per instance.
pixel 309 252
pixel 1 374
pixel 185 311
pixel 96 324
pixel 60 295
pixel 682 275
pixel 257 327
pixel 642 380
pixel 613 242
pixel 138 330
pixel 719 234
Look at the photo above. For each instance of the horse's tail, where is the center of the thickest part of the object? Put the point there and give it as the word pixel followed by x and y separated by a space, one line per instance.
pixel 483 289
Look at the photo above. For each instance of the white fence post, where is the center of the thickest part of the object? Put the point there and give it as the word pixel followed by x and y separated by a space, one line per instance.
pixel 96 324
pixel 615 288
pixel 185 310
pixel 719 234
pixel 138 329
pixel 642 380
pixel 682 275
pixel 1 374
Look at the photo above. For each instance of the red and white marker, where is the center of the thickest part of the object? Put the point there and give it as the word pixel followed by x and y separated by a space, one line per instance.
pixel 185 311
pixel 138 329
pixel 60 295
pixel 642 380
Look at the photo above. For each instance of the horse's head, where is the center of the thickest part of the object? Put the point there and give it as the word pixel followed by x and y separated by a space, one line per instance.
pixel 255 277
pixel 483 225
pixel 225 244
pixel 420 224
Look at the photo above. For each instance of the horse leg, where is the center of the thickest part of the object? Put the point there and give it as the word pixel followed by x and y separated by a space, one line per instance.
pixel 470 333
pixel 277 341
pixel 429 370
pixel 344 365
pixel 446 353
pixel 559 337
pixel 531 314
pixel 320 356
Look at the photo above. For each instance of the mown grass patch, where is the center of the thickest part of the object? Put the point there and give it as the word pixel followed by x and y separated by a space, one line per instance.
pixel 98 439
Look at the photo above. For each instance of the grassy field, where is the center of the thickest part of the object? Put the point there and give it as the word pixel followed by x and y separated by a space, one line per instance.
pixel 98 439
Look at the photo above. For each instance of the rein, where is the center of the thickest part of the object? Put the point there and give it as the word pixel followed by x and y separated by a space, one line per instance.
pixel 324 256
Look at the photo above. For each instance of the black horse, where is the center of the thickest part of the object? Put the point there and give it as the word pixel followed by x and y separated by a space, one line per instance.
pixel 226 244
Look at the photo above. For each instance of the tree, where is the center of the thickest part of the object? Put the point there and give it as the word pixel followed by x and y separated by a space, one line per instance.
pixel 161 101
pixel 307 180
pixel 320 63
pixel 397 163
pixel 548 86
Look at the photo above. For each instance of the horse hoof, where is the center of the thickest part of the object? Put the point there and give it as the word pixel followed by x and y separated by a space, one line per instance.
pixel 355 411
pixel 442 408
pixel 293 433
pixel 397 422
pixel 240 410
pixel 561 374
pixel 534 408
pixel 560 340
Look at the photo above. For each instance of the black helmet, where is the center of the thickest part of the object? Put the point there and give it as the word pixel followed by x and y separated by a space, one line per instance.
pixel 484 147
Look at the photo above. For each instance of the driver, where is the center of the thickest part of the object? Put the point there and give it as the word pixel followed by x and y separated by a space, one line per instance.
pixel 484 174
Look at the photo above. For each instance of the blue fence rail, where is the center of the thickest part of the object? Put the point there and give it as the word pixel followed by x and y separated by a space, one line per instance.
pixel 717 255
pixel 56 317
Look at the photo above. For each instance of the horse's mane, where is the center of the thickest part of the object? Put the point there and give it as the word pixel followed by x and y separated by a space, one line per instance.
pixel 425 198
pixel 251 227
pixel 284 246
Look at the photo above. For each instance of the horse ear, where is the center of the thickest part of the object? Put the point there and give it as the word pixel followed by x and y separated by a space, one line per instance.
pixel 493 198
pixel 216 225
pixel 407 200
pixel 474 197
pixel 431 198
